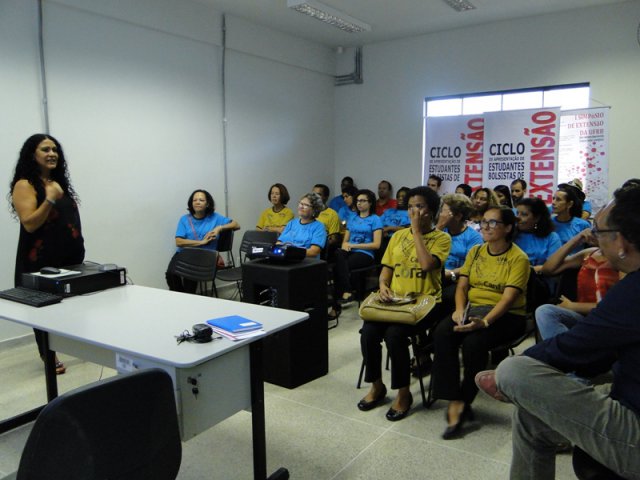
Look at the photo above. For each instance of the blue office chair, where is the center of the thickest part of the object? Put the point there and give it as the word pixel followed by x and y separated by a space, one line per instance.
pixel 122 428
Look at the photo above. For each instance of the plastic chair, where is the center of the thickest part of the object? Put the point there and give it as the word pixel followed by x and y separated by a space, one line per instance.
pixel 123 428
pixel 225 245
pixel 249 239
pixel 415 348
pixel 198 265
pixel 586 468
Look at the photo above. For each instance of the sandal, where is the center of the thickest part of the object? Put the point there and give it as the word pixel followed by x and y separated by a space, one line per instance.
pixel 346 300
pixel 60 368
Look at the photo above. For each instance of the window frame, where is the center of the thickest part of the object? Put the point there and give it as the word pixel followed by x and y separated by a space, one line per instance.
pixel 502 93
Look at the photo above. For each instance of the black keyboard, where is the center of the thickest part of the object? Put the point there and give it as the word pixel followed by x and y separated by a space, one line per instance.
pixel 35 298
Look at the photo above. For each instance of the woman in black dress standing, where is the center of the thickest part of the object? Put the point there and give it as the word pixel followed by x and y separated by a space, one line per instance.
pixel 44 201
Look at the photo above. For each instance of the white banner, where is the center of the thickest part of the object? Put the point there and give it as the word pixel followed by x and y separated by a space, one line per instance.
pixel 522 144
pixel 583 154
pixel 453 151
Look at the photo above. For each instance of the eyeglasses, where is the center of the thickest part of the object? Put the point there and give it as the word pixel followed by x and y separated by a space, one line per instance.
pixel 303 205
pixel 362 200
pixel 597 231
pixel 490 223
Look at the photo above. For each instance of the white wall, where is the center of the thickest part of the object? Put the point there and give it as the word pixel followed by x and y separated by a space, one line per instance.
pixel 135 97
pixel 20 114
pixel 379 123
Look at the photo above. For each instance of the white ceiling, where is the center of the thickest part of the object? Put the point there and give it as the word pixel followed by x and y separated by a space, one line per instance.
pixel 389 19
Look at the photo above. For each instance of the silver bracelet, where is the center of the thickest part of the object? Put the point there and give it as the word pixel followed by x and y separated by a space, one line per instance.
pixel 52 202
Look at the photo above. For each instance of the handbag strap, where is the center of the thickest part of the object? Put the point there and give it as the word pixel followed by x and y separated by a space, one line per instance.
pixel 193 229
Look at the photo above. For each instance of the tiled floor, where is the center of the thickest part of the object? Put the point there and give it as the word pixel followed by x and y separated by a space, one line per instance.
pixel 315 431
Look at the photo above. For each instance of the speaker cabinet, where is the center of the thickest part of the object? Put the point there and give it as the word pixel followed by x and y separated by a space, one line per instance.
pixel 300 353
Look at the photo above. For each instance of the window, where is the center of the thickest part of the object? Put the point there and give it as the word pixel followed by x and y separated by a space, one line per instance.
pixel 566 97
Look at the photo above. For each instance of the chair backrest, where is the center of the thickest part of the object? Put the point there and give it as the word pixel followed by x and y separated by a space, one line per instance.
pixel 252 237
pixel 225 245
pixel 122 428
pixel 225 241
pixel 538 292
pixel 569 284
pixel 196 264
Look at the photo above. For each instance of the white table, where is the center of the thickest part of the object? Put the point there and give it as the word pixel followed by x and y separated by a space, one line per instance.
pixel 132 327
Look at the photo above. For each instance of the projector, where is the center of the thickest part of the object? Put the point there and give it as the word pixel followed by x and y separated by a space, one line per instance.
pixel 280 253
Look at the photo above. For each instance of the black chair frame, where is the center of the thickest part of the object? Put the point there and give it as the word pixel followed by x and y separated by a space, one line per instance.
pixel 249 239
pixel 416 350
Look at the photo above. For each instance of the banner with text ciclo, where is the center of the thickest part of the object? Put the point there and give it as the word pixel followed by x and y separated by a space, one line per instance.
pixel 453 151
pixel 522 144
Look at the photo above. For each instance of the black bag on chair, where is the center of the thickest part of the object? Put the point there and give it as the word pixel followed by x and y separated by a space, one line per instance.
pixel 538 292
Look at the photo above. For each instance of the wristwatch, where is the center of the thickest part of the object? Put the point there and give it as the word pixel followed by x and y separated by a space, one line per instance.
pixel 453 276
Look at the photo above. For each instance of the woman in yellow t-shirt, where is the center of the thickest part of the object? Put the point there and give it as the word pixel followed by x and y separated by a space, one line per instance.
pixel 274 218
pixel 412 263
pixel 490 311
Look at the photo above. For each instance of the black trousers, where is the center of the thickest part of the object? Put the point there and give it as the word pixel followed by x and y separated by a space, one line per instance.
pixel 345 262
pixel 396 336
pixel 475 346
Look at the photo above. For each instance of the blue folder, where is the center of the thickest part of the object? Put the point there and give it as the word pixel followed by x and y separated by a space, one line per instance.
pixel 235 324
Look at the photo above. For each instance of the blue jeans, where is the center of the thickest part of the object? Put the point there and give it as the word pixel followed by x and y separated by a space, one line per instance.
pixel 552 408
pixel 553 320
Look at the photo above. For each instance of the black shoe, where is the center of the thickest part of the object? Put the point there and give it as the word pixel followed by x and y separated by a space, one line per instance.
pixel 453 431
pixel 395 415
pixel 366 406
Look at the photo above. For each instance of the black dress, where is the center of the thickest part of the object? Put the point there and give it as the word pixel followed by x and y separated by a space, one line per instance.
pixel 57 243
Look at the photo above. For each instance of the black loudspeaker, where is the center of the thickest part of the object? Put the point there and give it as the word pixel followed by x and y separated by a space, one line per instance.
pixel 300 353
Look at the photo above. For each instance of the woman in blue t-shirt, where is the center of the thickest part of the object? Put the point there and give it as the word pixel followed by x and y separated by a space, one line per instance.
pixel 394 219
pixel 455 211
pixel 567 210
pixel 361 240
pixel 306 231
pixel 535 232
pixel 349 207
pixel 199 228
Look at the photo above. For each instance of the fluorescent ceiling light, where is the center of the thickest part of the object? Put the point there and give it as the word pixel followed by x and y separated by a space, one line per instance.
pixel 460 5
pixel 329 15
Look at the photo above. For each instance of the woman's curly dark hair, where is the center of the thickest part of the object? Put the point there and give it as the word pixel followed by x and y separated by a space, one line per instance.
pixel 544 224
pixel 371 198
pixel 211 204
pixel 28 169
